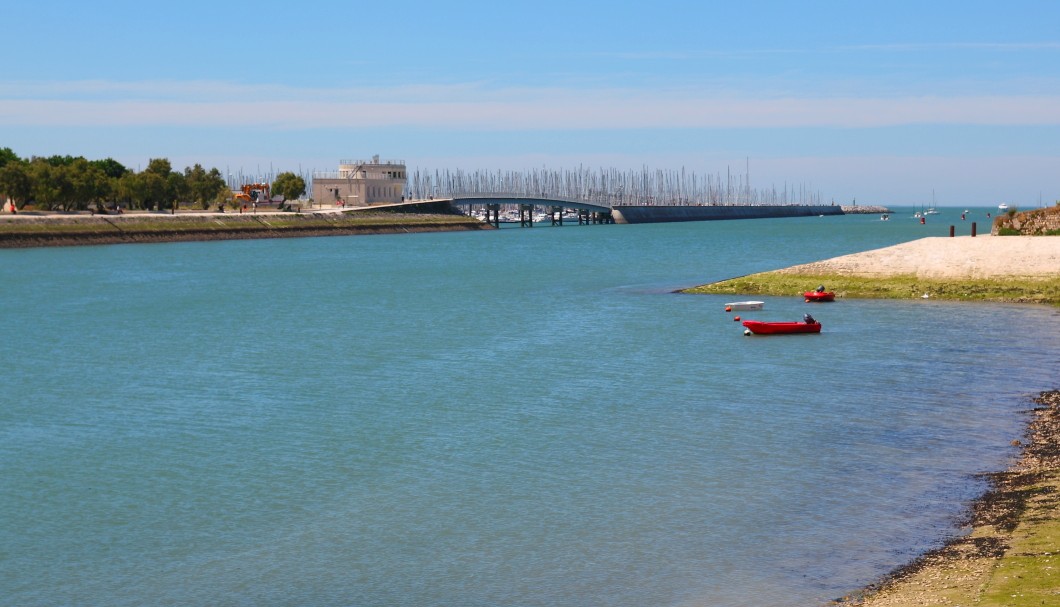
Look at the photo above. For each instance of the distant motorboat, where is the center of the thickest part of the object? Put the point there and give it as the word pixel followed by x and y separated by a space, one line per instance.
pixel 1002 207
pixel 885 217
pixel 744 305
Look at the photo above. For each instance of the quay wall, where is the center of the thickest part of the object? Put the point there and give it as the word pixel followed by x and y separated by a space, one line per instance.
pixel 26 230
pixel 662 214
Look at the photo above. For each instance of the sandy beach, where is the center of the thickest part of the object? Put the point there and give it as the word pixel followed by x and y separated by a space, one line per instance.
pixel 1008 269
pixel 960 257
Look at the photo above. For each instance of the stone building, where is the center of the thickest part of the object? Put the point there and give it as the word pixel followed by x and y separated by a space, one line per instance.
pixel 360 183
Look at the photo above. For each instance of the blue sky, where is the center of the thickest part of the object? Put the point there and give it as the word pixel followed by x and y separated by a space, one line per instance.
pixel 882 102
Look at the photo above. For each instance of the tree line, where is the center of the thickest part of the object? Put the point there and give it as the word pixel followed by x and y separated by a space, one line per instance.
pixel 69 183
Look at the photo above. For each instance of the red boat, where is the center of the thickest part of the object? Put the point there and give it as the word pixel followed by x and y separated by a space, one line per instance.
pixel 819 296
pixel 774 328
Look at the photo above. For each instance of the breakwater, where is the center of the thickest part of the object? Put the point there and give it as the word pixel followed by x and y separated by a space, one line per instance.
pixel 50 230
pixel 871 209
pixel 665 214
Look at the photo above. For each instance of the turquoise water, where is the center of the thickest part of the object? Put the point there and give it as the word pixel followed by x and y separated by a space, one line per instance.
pixel 517 417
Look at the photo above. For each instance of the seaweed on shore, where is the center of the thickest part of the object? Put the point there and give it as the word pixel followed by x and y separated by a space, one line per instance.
pixel 999 511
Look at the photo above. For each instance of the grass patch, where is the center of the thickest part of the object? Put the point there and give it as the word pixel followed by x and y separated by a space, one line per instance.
pixel 1029 573
pixel 894 287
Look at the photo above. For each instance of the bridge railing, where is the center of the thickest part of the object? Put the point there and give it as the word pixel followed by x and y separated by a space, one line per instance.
pixel 514 196
pixel 605 200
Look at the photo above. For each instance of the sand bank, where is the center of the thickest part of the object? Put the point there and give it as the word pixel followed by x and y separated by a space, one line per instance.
pixel 949 258
pixel 1011 269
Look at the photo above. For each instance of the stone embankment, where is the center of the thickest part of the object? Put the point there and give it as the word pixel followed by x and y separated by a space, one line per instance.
pixel 871 209
pixel 24 230
pixel 1037 222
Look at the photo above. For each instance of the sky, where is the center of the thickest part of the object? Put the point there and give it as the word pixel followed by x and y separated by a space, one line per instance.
pixel 895 103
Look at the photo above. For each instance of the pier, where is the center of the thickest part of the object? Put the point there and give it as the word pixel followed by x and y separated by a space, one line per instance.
pixel 557 197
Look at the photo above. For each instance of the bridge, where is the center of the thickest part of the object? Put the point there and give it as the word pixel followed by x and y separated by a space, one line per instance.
pixel 587 212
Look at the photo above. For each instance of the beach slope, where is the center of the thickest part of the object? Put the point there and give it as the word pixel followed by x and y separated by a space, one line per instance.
pixel 1024 269
pixel 1012 555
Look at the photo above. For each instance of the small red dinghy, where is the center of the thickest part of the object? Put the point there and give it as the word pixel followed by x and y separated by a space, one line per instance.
pixel 775 328
pixel 819 296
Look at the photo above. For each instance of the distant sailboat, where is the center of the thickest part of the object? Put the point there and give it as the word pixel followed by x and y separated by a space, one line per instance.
pixel 932 210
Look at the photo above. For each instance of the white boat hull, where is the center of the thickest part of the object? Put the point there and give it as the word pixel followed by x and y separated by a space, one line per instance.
pixel 745 305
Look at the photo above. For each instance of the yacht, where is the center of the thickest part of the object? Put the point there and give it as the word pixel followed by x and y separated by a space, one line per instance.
pixel 932 210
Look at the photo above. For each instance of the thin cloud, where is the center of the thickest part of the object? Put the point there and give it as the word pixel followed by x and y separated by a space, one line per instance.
pixel 675 55
pixel 934 46
pixel 475 106
pixel 208 90
pixel 702 54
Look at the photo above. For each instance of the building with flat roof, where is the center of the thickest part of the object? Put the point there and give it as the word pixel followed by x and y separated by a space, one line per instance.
pixel 361 183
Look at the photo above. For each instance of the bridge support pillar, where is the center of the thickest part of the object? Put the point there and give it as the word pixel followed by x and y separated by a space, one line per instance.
pixel 495 211
pixel 556 215
pixel 526 216
pixel 603 217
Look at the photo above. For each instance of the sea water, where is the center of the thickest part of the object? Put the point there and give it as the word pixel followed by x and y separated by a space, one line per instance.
pixel 522 417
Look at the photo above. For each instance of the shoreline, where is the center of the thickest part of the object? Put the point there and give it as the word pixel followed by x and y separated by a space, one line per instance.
pixel 1011 556
pixel 1013 269
pixel 31 231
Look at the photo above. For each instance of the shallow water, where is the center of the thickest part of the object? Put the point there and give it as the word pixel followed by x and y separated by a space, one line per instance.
pixel 518 417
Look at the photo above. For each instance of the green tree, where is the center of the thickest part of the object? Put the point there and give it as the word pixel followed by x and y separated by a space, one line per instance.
pixel 159 166
pixel 7 156
pixel 177 190
pixel 52 188
pixel 61 161
pixel 141 190
pixel 110 167
pixel 158 188
pixel 204 186
pixel 90 185
pixel 16 183
pixel 288 185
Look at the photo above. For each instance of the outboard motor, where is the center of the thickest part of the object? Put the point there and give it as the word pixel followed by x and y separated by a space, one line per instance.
pixel 809 319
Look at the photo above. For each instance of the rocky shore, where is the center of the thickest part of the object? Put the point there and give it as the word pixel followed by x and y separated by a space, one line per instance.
pixel 1012 555
pixel 871 209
